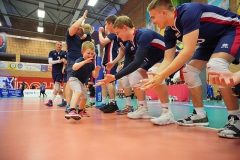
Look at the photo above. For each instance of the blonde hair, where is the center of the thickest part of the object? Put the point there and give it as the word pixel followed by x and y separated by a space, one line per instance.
pixel 123 20
pixel 87 28
pixel 165 4
pixel 88 45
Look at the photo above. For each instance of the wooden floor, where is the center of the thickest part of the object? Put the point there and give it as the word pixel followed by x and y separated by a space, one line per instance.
pixel 31 131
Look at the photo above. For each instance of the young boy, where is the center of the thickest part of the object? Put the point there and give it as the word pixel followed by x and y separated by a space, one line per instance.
pixel 82 69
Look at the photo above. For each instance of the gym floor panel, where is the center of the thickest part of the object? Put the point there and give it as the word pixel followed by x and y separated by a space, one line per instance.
pixel 31 131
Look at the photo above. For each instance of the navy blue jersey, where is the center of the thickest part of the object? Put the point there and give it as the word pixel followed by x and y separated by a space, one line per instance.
pixel 147 45
pixel 74 44
pixel 111 49
pixel 121 43
pixel 56 68
pixel 88 38
pixel 84 72
pixel 213 23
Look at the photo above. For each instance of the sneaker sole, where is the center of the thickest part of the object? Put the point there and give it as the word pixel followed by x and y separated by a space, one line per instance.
pixel 141 117
pixel 73 117
pixel 194 124
pixel 227 136
pixel 162 124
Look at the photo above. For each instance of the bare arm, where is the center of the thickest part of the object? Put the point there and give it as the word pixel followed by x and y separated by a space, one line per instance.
pixel 76 66
pixel 83 37
pixel 95 72
pixel 189 43
pixel 74 28
pixel 103 41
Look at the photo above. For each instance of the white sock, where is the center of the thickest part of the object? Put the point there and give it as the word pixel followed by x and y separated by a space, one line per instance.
pixel 200 112
pixel 129 101
pixel 62 97
pixel 92 100
pixel 234 112
pixel 53 97
pixel 104 100
pixel 142 103
pixel 166 107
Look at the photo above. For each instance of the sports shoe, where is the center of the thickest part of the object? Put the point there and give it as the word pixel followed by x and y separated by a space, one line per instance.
pixel 72 114
pixel 194 120
pixel 63 104
pixel 49 103
pixel 231 129
pixel 90 104
pixel 141 112
pixel 83 113
pixel 165 118
pixel 101 105
pixel 112 107
pixel 125 110
pixel 67 108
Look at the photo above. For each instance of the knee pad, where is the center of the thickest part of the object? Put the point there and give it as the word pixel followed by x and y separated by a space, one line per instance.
pixel 191 76
pixel 57 87
pixel 91 90
pixel 154 69
pixel 218 64
pixel 134 78
pixel 125 82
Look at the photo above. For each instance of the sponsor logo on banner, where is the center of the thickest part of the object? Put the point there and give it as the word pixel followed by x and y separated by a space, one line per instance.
pixel 3 64
pixel 21 66
pixel 44 68
pixel 5 92
pixel 32 67
pixel 12 65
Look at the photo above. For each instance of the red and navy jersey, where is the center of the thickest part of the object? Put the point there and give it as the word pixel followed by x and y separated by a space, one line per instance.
pixel 56 68
pixel 147 39
pixel 213 22
pixel 111 49
pixel 147 45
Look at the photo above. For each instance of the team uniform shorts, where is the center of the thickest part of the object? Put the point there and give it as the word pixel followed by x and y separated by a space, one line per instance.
pixel 77 86
pixel 229 43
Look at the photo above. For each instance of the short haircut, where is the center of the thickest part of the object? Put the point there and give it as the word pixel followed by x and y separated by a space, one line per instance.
pixel 111 19
pixel 88 28
pixel 123 20
pixel 166 4
pixel 88 45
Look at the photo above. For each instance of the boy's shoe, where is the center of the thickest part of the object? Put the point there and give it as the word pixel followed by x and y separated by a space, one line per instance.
pixel 141 112
pixel 83 113
pixel 49 103
pixel 165 118
pixel 67 108
pixel 63 104
pixel 90 104
pixel 194 120
pixel 125 110
pixel 231 129
pixel 112 107
pixel 73 114
pixel 101 105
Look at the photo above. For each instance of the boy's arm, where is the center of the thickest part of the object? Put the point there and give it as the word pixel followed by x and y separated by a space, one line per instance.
pixel 95 72
pixel 78 65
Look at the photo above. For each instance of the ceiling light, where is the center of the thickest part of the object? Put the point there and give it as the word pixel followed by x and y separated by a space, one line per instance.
pixel 40 29
pixel 41 13
pixel 92 2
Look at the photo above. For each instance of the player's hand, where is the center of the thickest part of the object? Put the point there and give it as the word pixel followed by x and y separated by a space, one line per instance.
pixel 97 68
pixel 99 84
pixel 107 78
pixel 223 78
pixel 63 71
pixel 88 60
pixel 109 65
pixel 101 29
pixel 60 60
pixel 153 82
pixel 143 82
